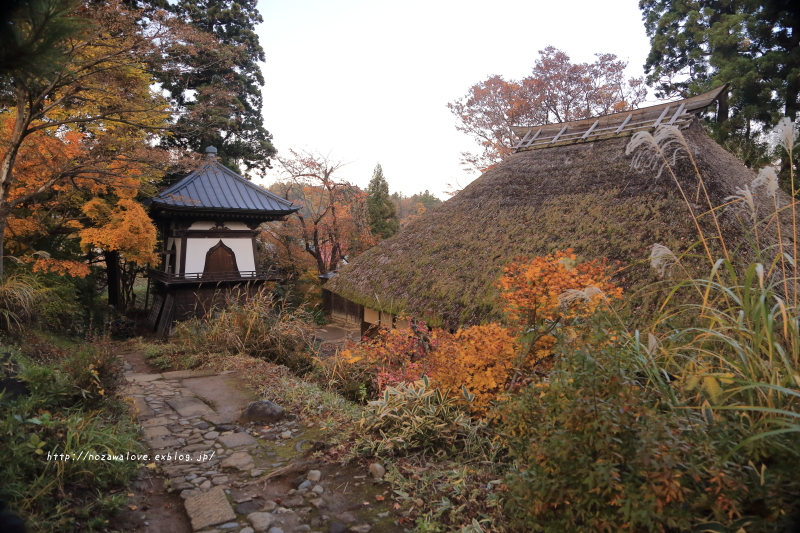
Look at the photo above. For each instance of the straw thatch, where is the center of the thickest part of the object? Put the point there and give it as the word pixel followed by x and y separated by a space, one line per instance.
pixel 444 266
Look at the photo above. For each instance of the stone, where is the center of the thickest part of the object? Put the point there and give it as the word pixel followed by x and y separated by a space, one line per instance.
pixel 247 507
pixel 256 472
pixel 158 421
pixel 286 435
pixel 377 470
pixel 225 427
pixel 234 440
pixel 262 411
pixel 294 501
pixel 318 489
pixel 211 435
pixel 314 475
pixel 319 503
pixel 160 443
pixel 202 425
pixel 198 480
pixel 220 418
pixel 209 509
pixel 184 374
pixel 189 406
pixel 239 460
pixel 247 530
pixel 156 432
pixel 205 485
pixel 260 521
pixel 269 506
pixel 337 527
pixel 363 528
pixel 142 378
pixel 221 480
pixel 304 485
pixel 275 530
pixel 304 529
pixel 229 525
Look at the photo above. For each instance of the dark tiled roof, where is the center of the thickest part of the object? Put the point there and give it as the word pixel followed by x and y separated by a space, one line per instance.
pixel 216 187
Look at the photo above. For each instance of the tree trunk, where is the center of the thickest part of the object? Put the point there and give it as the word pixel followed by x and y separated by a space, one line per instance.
pixel 112 274
pixel 722 111
pixel 2 244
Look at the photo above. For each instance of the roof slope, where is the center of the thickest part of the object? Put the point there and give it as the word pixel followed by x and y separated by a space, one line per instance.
pixel 214 187
pixel 444 266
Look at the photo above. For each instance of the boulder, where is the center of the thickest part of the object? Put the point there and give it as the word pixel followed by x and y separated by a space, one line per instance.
pixel 262 411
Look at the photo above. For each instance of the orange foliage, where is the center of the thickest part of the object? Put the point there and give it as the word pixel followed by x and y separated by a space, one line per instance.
pixel 124 227
pixel 554 287
pixel 537 295
pixel 480 358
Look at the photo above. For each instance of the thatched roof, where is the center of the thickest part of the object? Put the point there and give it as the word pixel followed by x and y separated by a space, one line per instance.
pixel 444 266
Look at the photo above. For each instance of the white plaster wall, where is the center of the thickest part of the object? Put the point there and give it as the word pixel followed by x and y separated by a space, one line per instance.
pixel 205 224
pixel 196 250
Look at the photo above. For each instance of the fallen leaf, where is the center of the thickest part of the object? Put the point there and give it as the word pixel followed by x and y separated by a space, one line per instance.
pixel 379 498
pixel 132 507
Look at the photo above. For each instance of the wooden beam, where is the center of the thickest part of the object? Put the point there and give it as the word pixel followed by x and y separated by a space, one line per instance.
pixel 625 123
pixel 559 133
pixel 678 112
pixel 524 138
pixel 590 130
pixel 536 135
pixel 661 117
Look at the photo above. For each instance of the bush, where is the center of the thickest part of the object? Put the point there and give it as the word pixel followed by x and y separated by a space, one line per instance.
pixel 599 451
pixel 417 417
pixel 258 326
pixel 61 416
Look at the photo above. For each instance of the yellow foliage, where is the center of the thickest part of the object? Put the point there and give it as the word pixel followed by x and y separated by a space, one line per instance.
pixel 480 358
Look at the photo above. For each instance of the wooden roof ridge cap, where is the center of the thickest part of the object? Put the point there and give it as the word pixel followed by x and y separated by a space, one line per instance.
pixel 692 103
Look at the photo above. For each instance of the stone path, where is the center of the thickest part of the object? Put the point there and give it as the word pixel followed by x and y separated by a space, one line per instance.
pixel 219 466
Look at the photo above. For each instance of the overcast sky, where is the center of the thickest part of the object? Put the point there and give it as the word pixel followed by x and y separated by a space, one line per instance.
pixel 367 82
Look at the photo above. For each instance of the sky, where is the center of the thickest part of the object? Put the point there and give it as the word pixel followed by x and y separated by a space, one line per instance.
pixel 367 82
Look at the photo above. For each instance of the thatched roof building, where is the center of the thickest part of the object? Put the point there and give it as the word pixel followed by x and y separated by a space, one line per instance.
pixel 567 186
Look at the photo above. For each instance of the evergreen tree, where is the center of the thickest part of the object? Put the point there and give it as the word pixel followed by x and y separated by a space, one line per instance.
pixel 752 44
pixel 219 95
pixel 383 220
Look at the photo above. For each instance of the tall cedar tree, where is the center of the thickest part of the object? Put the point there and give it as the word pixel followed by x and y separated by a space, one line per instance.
pixel 219 96
pixel 383 220
pixel 557 90
pixel 752 44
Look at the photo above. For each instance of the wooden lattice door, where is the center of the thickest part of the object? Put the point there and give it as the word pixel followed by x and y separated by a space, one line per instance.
pixel 221 259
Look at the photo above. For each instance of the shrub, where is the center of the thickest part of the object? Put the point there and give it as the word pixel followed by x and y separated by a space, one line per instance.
pixel 418 417
pixel 480 358
pixel 60 417
pixel 257 326
pixel 598 451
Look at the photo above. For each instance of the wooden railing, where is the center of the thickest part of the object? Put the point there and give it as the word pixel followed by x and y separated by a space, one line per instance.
pixel 195 277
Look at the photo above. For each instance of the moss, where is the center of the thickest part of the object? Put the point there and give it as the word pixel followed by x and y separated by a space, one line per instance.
pixel 443 266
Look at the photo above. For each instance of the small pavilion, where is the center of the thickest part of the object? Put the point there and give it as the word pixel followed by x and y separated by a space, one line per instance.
pixel 208 223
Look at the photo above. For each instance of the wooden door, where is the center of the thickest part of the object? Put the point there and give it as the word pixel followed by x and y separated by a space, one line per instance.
pixel 221 259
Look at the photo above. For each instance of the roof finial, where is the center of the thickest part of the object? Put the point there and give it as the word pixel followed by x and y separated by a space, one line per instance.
pixel 211 153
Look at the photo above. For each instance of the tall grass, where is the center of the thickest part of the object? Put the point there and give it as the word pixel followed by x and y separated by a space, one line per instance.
pixel 258 325
pixel 742 352
pixel 18 297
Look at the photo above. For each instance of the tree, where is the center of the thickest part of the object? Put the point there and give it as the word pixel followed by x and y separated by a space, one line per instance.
pixel 410 207
pixel 557 91
pixel 82 131
pixel 752 44
pixel 383 220
pixel 218 92
pixel 333 223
